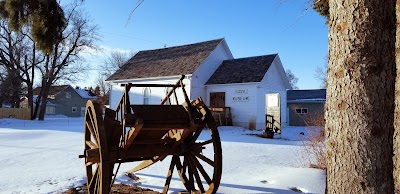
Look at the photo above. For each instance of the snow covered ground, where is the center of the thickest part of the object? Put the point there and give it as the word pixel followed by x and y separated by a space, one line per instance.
pixel 42 157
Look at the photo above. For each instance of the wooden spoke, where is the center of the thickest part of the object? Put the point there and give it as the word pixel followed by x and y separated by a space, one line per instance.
pixel 182 175
pixel 185 165
pixel 169 176
pixel 201 169
pixel 190 174
pixel 93 182
pixel 89 163
pixel 197 133
pixel 204 143
pixel 196 174
pixel 91 144
pixel 92 131
pixel 89 174
pixel 205 159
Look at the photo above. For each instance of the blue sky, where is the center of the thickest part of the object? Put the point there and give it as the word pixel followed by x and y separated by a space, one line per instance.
pixel 251 28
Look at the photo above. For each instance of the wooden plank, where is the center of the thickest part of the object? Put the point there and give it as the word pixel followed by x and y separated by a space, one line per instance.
pixel 113 130
pixel 164 126
pixel 137 151
pixel 145 164
pixel 133 132
pixel 151 141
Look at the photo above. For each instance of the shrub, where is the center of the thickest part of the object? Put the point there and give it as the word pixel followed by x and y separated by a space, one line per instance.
pixel 252 123
pixel 314 145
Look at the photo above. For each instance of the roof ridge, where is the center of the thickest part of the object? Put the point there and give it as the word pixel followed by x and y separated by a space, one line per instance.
pixel 259 56
pixel 177 46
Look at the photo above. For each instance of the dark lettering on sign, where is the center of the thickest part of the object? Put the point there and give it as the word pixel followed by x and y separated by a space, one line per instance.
pixel 241 98
pixel 241 91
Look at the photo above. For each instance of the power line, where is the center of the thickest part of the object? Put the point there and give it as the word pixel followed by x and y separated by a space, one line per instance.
pixel 135 38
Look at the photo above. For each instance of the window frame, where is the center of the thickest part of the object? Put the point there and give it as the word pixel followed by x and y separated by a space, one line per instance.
pixel 301 111
pixel 146 95
pixel 68 94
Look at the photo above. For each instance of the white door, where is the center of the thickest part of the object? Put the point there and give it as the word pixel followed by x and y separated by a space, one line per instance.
pixel 273 109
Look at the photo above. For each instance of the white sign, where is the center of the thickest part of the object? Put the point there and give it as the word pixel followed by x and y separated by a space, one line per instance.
pixel 241 91
pixel 241 98
pixel 273 100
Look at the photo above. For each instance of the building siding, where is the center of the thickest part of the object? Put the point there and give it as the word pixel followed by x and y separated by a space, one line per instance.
pixel 242 111
pixel 207 69
pixel 156 94
pixel 64 105
pixel 314 117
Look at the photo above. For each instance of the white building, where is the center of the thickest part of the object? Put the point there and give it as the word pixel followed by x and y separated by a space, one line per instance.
pixel 252 87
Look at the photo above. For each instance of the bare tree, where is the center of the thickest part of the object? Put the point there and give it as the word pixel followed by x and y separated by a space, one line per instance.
pixel 321 72
pixel 65 62
pixel 115 61
pixel 292 79
pixel 19 56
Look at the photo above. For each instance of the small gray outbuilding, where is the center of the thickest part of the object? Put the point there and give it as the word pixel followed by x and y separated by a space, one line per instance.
pixel 306 107
pixel 66 100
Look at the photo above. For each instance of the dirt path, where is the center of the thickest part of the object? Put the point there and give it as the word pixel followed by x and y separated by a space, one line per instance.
pixel 116 189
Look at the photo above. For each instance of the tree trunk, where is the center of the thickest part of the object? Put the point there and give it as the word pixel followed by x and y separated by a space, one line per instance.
pixel 37 103
pixel 396 138
pixel 30 100
pixel 360 96
pixel 45 93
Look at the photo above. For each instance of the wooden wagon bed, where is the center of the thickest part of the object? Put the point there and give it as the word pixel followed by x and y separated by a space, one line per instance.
pixel 150 133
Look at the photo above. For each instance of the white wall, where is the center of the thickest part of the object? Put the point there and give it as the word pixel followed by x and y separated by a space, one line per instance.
pixel 255 107
pixel 207 69
pixel 156 94
pixel 273 83
pixel 242 110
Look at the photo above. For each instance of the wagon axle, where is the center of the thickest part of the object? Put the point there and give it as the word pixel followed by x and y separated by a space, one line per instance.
pixel 93 155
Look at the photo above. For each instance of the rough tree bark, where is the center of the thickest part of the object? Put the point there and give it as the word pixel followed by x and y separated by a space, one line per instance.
pixel 360 96
pixel 396 138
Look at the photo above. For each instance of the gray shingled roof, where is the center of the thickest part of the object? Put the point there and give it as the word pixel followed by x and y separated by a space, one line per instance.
pixel 251 69
pixel 179 60
pixel 304 95
pixel 54 90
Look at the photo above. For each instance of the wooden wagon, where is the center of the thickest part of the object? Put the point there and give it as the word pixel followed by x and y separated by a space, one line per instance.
pixel 150 133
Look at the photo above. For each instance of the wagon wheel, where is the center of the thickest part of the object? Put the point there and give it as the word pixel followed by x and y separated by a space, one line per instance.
pixel 200 171
pixel 98 167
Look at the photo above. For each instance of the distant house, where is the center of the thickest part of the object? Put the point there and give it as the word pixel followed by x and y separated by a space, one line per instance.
pixel 65 100
pixel 306 107
pixel 249 87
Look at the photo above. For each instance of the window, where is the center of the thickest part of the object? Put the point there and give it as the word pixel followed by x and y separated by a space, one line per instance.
pixel 74 109
pixel 67 94
pixel 217 99
pixel 146 96
pixel 302 110
pixel 168 102
pixel 50 110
